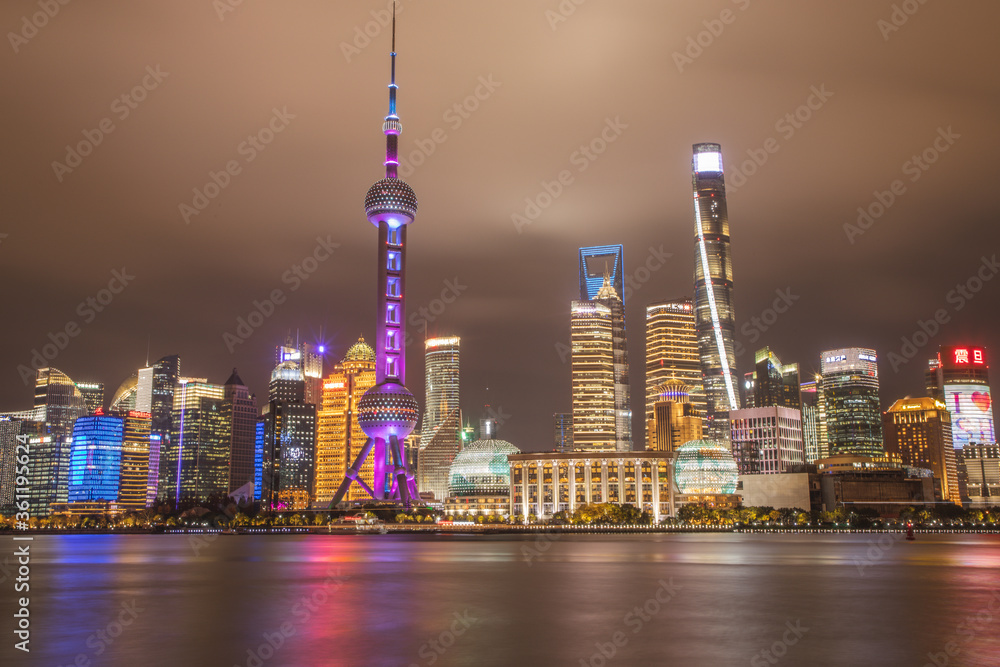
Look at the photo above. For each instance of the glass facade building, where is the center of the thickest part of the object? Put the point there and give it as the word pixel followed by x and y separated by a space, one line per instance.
pixel 562 423
pixel 851 401
pixel 439 431
pixel 766 440
pixel 593 376
pixel 134 487
pixel 96 459
pixel 959 376
pixel 672 353
pixel 194 463
pixel 240 407
pixel 715 322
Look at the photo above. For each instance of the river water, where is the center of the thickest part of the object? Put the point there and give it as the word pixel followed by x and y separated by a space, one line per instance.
pixel 598 600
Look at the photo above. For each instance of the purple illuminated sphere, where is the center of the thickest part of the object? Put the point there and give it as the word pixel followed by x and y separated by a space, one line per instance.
pixel 388 409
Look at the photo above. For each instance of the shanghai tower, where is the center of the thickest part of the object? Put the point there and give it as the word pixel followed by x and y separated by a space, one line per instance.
pixel 715 323
pixel 388 412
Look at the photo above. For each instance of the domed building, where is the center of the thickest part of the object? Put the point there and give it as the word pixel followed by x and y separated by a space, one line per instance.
pixel 706 472
pixel 479 479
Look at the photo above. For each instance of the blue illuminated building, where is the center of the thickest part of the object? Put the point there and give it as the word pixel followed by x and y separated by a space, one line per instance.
pixel 258 459
pixel 594 263
pixel 95 458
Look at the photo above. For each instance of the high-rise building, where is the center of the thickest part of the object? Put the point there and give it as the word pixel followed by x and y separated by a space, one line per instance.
pixel 259 438
pixel 851 401
pixel 289 456
pixel 563 431
pixel 813 420
pixel 442 415
pixel 592 363
pixel 96 459
pixel 339 438
pixel 240 407
pixel 58 404
pixel 960 377
pixel 715 322
pixel 59 401
pixel 672 352
pixel 675 420
pixel 15 429
pixel 123 399
pixel 48 477
pixel 604 286
pixel 766 440
pixel 153 480
pixel 166 374
pixel 919 431
pixel 93 395
pixel 309 359
pixel 194 464
pixel 134 486
pixel 144 389
pixel 982 466
pixel 773 383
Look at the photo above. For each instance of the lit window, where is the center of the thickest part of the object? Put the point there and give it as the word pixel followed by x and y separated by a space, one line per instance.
pixel 392 287
pixel 392 313
pixel 394 237
pixel 394 261
pixel 391 340
pixel 391 367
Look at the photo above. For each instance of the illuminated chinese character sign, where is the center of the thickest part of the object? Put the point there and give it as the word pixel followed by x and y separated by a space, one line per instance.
pixel 962 357
pixel 971 413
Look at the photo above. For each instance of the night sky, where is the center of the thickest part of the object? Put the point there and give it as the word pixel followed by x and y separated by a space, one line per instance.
pixel 549 82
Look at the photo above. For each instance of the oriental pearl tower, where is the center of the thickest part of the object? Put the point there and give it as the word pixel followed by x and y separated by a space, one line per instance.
pixel 388 412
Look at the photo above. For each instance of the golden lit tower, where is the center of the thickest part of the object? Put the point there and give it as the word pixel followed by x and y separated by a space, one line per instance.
pixel 593 373
pixel 919 430
pixel 672 352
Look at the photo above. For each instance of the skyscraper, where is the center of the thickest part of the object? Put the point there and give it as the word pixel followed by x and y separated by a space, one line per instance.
pixel 194 464
pixel 96 459
pixel 982 468
pixel 851 401
pixel 388 412
pixel 601 280
pixel 960 377
pixel 93 395
pixel 240 407
pixel 593 377
pixel 58 404
pixel 672 353
pixel 562 423
pixel 289 439
pixel 774 383
pixel 919 431
pixel 813 420
pixel 766 440
pixel 134 477
pixel 442 416
pixel 675 418
pixel 166 374
pixel 309 359
pixel 715 322
pixel 339 438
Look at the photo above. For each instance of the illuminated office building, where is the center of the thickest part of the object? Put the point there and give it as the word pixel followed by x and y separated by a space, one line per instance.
pixel 813 420
pixel 593 377
pixel 153 479
pixel 442 415
pixel 194 464
pixel 675 419
pixel 766 440
pixel 982 466
pixel 93 395
pixel 960 378
pixel 166 375
pixel 134 487
pixel 240 407
pixel 59 401
pixel 672 352
pixel 773 383
pixel 144 389
pixel 289 439
pixel 58 404
pixel 12 426
pixel 851 401
pixel 715 322
pixel 563 431
pixel 96 459
pixel 601 281
pixel 309 359
pixel 259 437
pixel 919 431
pixel 123 399
pixel 339 437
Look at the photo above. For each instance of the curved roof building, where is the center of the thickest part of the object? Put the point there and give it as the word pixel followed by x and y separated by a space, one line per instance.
pixel 705 467
pixel 481 468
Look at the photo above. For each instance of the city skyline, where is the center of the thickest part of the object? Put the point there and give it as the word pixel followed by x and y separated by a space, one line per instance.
pixel 823 287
